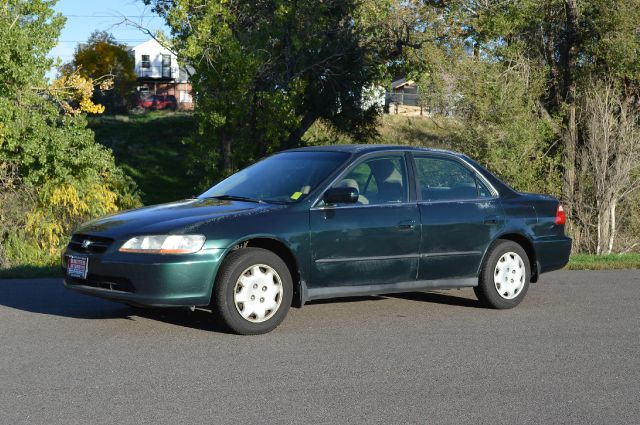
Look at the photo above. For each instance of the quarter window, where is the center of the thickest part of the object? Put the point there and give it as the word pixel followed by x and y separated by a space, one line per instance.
pixel 381 180
pixel 443 179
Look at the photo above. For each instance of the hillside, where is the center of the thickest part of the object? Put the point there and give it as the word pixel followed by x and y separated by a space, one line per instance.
pixel 149 148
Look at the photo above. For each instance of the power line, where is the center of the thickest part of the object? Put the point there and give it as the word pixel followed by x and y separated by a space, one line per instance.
pixel 133 40
pixel 112 16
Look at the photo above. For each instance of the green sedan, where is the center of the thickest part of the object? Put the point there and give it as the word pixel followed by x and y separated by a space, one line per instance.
pixel 324 222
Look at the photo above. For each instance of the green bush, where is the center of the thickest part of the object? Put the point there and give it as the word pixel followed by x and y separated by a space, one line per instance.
pixel 53 174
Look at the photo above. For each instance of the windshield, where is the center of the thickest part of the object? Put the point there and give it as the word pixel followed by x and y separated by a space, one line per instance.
pixel 285 177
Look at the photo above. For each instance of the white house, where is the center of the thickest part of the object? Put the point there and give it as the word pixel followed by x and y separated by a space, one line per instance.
pixel 159 73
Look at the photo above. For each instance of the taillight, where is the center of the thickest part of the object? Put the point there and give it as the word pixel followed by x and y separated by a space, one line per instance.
pixel 561 217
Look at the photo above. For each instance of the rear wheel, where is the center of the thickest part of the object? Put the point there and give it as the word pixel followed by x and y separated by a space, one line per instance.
pixel 505 275
pixel 253 291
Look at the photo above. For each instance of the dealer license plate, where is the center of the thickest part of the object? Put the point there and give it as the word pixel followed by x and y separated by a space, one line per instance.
pixel 77 267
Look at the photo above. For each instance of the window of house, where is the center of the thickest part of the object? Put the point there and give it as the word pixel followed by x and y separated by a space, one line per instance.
pixel 166 66
pixel 145 63
pixel 185 97
pixel 442 179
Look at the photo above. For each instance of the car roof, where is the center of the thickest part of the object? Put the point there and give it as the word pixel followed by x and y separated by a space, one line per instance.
pixel 368 148
pixel 359 150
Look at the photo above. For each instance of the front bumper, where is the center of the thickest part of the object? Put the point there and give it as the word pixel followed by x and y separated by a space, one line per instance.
pixel 149 279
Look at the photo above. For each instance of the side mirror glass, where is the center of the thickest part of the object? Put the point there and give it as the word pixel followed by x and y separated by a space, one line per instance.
pixel 341 195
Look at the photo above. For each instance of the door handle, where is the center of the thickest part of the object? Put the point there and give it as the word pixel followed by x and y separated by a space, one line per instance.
pixel 407 224
pixel 491 219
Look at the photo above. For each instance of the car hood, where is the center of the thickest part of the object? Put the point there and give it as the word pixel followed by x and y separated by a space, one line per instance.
pixel 175 217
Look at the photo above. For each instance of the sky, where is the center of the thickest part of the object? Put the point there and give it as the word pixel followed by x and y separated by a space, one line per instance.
pixel 86 16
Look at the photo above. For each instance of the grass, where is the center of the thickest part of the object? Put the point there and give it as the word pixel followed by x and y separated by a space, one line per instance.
pixel 604 262
pixel 23 272
pixel 149 148
pixel 420 131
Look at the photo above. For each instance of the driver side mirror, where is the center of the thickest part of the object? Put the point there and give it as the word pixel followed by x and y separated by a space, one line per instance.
pixel 341 195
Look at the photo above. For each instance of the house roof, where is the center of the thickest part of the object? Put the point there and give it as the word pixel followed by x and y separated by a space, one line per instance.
pixel 401 82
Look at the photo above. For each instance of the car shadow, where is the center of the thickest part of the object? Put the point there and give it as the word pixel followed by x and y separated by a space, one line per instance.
pixel 49 297
pixel 347 299
pixel 438 298
pixel 428 297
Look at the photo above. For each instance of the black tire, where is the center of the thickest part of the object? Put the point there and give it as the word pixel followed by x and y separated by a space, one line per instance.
pixel 223 303
pixel 487 290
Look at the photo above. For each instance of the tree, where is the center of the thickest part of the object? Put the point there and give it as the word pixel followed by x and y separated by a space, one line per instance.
pixel 610 157
pixel 103 57
pixel 572 43
pixel 265 71
pixel 497 122
pixel 46 151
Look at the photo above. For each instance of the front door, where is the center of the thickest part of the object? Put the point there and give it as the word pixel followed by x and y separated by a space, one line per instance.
pixel 373 242
pixel 460 216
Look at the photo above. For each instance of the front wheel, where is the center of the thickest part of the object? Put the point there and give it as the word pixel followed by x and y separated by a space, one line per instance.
pixel 505 275
pixel 253 291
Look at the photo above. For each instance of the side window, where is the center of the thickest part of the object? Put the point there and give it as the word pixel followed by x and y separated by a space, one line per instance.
pixel 443 179
pixel 380 180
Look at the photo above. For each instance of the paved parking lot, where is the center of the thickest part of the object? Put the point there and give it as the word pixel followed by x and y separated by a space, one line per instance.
pixel 569 354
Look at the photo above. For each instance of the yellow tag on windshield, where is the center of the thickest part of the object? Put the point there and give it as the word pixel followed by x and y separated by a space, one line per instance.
pixel 296 195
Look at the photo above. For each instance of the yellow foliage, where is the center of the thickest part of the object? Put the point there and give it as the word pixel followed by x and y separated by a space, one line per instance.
pixel 66 207
pixel 48 233
pixel 102 199
pixel 78 90
pixel 68 198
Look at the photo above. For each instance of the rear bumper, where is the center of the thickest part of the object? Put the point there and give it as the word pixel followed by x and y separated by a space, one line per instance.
pixel 552 254
pixel 149 280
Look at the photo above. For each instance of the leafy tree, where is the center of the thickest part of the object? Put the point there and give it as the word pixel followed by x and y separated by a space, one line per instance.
pixel 265 71
pixel 512 73
pixel 44 141
pixel 103 57
pixel 498 124
pixel 566 45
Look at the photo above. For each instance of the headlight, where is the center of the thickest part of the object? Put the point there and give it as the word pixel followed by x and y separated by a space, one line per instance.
pixel 164 244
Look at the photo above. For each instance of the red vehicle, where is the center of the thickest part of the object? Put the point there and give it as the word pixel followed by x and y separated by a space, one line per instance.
pixel 156 102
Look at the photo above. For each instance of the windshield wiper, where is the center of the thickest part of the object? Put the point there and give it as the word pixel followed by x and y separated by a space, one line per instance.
pixel 238 198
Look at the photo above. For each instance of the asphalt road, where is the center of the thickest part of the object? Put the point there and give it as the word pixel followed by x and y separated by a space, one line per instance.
pixel 569 354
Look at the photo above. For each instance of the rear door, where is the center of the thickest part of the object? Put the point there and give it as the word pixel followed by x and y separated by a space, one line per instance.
pixel 460 214
pixel 375 241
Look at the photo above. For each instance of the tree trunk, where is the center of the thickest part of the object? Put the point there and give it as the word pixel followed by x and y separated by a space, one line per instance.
pixel 226 152
pixel 570 143
pixel 570 134
pixel 604 227
pixel 296 136
pixel 599 238
pixel 612 232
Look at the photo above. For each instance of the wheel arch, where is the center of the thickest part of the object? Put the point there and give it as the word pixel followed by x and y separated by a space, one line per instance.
pixel 526 244
pixel 282 250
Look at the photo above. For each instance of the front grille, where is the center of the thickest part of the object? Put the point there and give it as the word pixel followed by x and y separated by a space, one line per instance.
pixel 97 244
pixel 103 282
